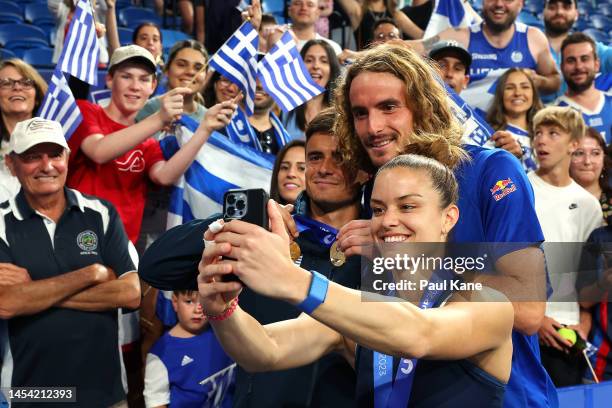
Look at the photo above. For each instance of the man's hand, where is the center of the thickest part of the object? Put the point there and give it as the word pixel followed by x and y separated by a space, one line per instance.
pixel 172 104
pixel 12 275
pixel 535 77
pixel 354 236
pixel 347 56
pixel 550 337
pixel 253 14
pixel 504 140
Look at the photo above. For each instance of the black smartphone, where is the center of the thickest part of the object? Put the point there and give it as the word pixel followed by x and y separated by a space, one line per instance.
pixel 249 205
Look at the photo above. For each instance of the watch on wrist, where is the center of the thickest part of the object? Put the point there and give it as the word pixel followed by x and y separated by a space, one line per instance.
pixel 316 293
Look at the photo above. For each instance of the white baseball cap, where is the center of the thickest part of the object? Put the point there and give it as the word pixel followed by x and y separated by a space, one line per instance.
pixel 135 52
pixel 35 131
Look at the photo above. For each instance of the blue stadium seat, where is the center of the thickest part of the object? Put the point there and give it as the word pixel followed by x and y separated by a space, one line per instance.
pixel 38 14
pixel 581 24
pixel 597 35
pixel 8 17
pixel 39 57
pixel 6 54
pixel 600 22
pixel 11 6
pixel 584 9
pixel 169 37
pixel 133 16
pixel 10 32
pixel 125 35
pixel 532 8
pixel 273 6
pixel 19 47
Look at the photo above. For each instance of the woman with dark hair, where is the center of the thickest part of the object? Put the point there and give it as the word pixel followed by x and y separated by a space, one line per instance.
pixel 218 89
pixel 288 175
pixel 406 352
pixel 323 66
pixel 148 35
pixel 590 167
pixel 515 103
pixel 22 91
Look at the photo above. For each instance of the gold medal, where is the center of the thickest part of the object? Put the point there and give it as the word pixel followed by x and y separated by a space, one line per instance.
pixel 336 256
pixel 295 251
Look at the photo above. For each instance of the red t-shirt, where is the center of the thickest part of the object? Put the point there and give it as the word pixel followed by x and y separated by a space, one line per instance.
pixel 122 181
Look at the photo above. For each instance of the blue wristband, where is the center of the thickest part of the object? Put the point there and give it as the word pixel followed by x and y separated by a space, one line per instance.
pixel 316 293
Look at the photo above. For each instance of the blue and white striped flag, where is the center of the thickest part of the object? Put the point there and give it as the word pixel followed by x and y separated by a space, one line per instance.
pixel 59 104
pixel 81 51
pixel 237 61
pixel 285 77
pixel 219 165
pixel 449 13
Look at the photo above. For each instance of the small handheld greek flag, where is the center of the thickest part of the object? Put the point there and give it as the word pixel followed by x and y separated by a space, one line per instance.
pixel 284 76
pixel 59 104
pixel 236 60
pixel 81 51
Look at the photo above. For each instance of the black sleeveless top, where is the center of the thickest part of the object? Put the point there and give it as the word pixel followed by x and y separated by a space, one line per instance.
pixel 437 383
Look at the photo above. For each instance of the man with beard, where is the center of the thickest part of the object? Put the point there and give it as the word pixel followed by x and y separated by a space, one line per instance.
pixel 389 103
pixel 263 131
pixel 331 199
pixel 559 18
pixel 579 63
pixel 496 44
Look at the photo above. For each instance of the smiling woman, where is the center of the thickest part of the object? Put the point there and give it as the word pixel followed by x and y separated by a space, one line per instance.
pixel 323 66
pixel 21 93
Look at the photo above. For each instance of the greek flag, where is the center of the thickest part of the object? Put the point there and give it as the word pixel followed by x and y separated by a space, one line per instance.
pixel 81 51
pixel 236 60
pixel 219 165
pixel 59 104
pixel 449 13
pixel 284 76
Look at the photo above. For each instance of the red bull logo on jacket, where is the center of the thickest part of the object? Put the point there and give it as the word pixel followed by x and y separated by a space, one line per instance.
pixel 502 188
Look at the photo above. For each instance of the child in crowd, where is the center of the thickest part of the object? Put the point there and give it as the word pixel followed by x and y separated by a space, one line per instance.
pixel 187 367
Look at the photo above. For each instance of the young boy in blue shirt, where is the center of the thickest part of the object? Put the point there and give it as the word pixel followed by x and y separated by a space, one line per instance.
pixel 187 367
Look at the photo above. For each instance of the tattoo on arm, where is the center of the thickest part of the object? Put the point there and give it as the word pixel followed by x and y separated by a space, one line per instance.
pixel 429 43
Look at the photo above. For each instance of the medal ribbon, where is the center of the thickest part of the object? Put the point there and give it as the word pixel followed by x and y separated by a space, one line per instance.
pixel 315 231
pixel 395 394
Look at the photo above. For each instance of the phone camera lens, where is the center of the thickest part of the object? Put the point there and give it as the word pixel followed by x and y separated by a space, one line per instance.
pixel 240 204
pixel 231 199
pixel 230 211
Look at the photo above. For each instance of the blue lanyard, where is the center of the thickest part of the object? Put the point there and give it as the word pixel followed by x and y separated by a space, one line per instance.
pixel 315 231
pixel 390 394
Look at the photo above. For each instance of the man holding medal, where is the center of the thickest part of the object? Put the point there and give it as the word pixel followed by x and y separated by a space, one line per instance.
pixel 331 199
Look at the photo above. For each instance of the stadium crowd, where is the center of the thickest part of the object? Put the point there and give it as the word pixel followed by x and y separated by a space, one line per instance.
pixel 98 293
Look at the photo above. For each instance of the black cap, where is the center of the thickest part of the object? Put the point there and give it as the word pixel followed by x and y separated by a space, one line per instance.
pixel 451 45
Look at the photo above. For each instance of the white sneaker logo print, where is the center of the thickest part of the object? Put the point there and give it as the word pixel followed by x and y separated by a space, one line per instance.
pixel 186 360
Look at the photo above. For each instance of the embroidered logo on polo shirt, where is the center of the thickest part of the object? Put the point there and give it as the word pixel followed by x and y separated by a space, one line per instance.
pixel 88 242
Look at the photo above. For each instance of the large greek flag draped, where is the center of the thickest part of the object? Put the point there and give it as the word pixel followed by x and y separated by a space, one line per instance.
pixel 446 14
pixel 284 75
pixel 219 165
pixel 59 104
pixel 81 51
pixel 237 61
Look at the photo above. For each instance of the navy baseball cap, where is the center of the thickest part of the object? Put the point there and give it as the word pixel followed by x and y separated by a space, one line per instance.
pixel 454 46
